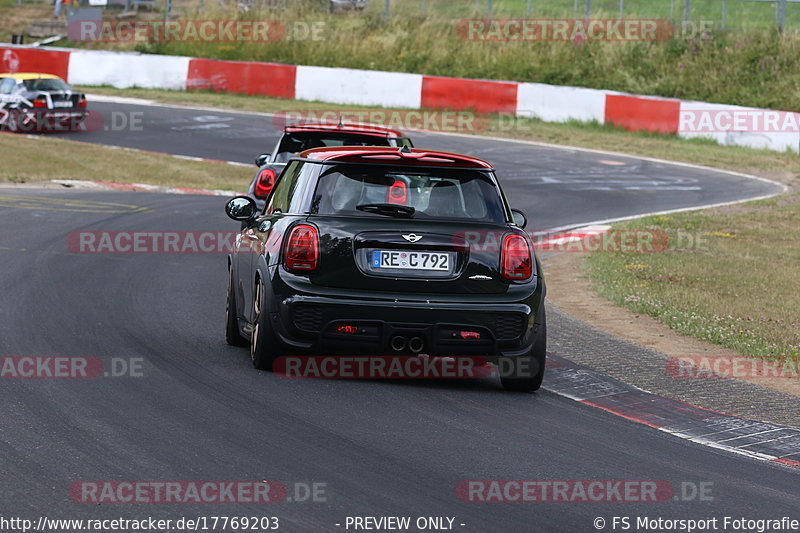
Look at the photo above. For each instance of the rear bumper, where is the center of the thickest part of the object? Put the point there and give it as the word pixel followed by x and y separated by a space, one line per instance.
pixel 56 112
pixel 46 119
pixel 322 325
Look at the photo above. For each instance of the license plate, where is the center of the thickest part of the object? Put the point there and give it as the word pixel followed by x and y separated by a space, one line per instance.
pixel 410 260
pixel 62 104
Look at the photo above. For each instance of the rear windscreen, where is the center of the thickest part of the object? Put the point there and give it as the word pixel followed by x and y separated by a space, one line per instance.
pixel 46 85
pixel 294 143
pixel 432 192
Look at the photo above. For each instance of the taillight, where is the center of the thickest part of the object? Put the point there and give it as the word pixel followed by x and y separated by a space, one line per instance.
pixel 82 101
pixel 398 193
pixel 302 249
pixel 265 183
pixel 516 260
pixel 40 102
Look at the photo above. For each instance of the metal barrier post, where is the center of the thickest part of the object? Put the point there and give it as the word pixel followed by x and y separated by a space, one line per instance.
pixel 723 14
pixel 782 23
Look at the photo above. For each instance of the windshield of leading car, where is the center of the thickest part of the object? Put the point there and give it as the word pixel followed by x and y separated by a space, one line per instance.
pixel 413 193
pixel 46 84
pixel 294 143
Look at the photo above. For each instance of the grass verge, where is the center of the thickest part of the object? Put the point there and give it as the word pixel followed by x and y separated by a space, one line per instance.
pixel 27 159
pixel 14 18
pixel 729 277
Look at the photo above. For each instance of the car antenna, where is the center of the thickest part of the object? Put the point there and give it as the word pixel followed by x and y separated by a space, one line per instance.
pixel 340 125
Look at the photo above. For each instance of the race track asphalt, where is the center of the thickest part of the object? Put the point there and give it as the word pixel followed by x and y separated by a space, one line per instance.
pixel 199 411
pixel 555 186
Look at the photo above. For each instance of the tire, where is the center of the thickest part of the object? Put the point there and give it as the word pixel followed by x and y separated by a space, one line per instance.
pixel 535 361
pixel 232 334
pixel 264 345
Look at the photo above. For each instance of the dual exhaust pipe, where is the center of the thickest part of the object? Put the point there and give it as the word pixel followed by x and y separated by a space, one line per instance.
pixel 400 343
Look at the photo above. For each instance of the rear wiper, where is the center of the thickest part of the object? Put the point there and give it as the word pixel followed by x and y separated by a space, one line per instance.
pixel 390 210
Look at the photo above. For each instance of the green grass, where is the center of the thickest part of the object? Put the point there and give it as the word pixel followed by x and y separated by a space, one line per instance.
pixel 58 159
pixel 736 284
pixel 15 18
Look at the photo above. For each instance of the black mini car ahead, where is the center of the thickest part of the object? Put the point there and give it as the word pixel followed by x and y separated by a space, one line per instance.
pixel 297 138
pixel 387 251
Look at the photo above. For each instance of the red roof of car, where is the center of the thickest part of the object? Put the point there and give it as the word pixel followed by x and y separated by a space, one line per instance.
pixel 364 129
pixel 402 156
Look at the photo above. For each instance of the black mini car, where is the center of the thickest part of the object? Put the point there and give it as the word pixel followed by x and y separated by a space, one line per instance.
pixel 387 251
pixel 297 138
pixel 39 102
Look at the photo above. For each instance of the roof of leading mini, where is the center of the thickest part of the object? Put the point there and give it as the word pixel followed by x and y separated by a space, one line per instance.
pixel 365 129
pixel 29 76
pixel 399 156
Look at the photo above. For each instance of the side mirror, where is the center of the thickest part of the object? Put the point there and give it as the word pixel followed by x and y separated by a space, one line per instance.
pixel 263 159
pixel 519 218
pixel 241 208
